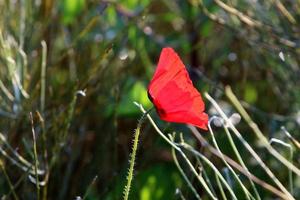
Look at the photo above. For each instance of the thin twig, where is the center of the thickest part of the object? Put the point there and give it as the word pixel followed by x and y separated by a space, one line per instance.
pixel 256 130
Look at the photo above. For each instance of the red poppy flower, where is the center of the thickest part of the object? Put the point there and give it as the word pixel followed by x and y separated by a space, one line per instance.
pixel 173 94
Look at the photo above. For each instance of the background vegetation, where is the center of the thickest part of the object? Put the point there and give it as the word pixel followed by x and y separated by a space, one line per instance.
pixel 108 50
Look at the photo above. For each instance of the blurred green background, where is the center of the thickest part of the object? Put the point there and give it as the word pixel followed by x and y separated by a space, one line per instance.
pixel 110 50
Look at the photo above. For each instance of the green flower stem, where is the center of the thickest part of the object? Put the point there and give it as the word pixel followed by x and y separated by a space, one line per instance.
pixel 132 161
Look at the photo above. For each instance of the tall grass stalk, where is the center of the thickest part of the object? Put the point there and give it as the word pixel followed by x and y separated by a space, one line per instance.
pixel 89 188
pixel 20 161
pixel 234 164
pixel 37 184
pixel 251 150
pixel 255 129
pixel 190 185
pixel 219 184
pixel 200 178
pixel 245 190
pixel 12 189
pixel 239 157
pixel 291 152
pixel 61 139
pixel 212 166
pixel 45 155
pixel 43 76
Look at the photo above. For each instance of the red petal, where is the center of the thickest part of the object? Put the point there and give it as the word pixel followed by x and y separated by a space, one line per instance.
pixel 169 65
pixel 173 94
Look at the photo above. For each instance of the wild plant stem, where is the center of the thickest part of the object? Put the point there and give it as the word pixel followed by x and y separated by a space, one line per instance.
pixel 190 185
pixel 12 189
pixel 132 161
pixel 189 148
pixel 63 135
pixel 43 76
pixel 247 193
pixel 291 173
pixel 258 132
pixel 201 180
pixel 37 184
pixel 89 187
pixel 21 162
pixel 220 187
pixel 250 149
pixel 239 157
pixel 44 140
pixel 291 151
pixel 205 175
pixel 214 151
